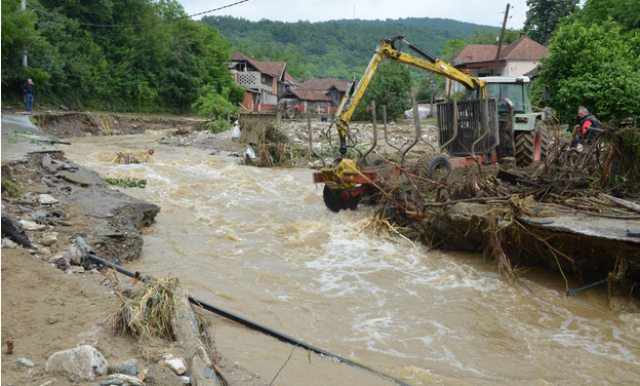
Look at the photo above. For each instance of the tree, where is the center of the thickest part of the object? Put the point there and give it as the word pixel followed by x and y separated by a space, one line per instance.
pixel 18 34
pixel 597 67
pixel 544 15
pixel 391 87
pixel 424 94
pixel 626 12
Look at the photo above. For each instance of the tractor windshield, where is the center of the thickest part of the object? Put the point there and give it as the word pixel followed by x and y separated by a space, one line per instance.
pixel 507 91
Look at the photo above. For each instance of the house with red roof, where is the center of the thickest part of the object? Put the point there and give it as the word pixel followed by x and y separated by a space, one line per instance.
pixel 264 81
pixel 333 88
pixel 518 58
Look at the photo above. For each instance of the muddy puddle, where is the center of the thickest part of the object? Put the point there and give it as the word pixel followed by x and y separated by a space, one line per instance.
pixel 260 243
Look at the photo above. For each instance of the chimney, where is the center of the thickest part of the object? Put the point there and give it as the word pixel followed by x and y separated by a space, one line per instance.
pixel 253 57
pixel 522 35
pixel 547 37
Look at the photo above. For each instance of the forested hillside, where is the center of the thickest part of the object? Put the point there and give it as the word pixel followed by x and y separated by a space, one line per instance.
pixel 340 48
pixel 156 67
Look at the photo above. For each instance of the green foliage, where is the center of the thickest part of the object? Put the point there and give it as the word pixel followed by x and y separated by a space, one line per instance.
pixel 390 86
pixel 218 126
pixel 211 104
pixel 127 182
pixel 154 68
pixel 546 14
pixel 18 34
pixel 626 13
pixel 596 67
pixel 338 48
pixel 12 189
pixel 424 93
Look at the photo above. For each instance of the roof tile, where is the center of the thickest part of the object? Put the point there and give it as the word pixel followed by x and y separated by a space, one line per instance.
pixel 521 49
pixel 325 84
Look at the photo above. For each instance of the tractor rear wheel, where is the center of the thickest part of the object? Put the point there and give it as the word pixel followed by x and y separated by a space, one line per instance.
pixel 290 112
pixel 544 143
pixel 525 148
pixel 333 199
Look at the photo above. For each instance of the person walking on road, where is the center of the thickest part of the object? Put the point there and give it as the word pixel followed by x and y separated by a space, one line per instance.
pixel 28 89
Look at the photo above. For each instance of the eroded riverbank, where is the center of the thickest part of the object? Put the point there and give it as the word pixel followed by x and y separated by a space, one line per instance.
pixel 259 242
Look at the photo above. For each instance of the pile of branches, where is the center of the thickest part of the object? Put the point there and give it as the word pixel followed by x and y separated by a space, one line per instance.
pixel 601 181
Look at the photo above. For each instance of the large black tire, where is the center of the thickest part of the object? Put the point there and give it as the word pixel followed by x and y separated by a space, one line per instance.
pixel 291 113
pixel 440 167
pixel 423 166
pixel 525 148
pixel 423 169
pixel 544 143
pixel 333 200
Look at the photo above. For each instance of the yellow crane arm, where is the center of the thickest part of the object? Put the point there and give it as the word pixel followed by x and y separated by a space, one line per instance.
pixel 386 49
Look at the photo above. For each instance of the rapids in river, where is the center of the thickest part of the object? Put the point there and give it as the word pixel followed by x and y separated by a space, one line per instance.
pixel 260 243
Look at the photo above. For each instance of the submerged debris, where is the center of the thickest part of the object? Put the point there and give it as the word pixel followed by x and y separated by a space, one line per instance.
pixel 134 157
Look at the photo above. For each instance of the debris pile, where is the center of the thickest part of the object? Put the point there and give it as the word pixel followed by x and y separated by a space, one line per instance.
pixel 508 212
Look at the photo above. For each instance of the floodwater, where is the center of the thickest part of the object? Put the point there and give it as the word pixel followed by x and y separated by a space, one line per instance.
pixel 260 243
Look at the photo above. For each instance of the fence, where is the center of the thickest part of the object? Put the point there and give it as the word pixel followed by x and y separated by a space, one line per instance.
pixel 461 126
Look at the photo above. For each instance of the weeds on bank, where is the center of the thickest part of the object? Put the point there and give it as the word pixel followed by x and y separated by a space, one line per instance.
pixel 127 182
pixel 12 189
pixel 149 315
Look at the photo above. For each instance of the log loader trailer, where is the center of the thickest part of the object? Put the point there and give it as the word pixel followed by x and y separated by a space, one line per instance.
pixel 494 122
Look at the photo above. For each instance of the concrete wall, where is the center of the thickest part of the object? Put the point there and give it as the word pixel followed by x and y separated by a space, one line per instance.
pixel 255 125
pixel 520 67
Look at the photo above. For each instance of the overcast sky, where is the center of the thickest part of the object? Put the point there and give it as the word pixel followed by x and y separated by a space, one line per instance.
pixel 487 12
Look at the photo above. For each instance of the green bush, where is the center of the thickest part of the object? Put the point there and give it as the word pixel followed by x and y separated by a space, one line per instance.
pixel 211 104
pixel 217 126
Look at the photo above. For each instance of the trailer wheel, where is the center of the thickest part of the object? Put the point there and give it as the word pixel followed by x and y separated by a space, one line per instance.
pixel 334 201
pixel 290 112
pixel 525 148
pixel 423 166
pixel 440 167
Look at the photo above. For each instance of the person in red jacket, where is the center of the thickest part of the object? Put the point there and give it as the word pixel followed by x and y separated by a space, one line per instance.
pixel 580 133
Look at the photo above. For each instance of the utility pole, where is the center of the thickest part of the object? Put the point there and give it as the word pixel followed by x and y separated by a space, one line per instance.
pixel 23 6
pixel 504 25
pixel 451 63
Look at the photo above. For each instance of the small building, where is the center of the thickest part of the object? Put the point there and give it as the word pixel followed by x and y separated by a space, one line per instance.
pixel 333 88
pixel 516 59
pixel 315 101
pixel 264 81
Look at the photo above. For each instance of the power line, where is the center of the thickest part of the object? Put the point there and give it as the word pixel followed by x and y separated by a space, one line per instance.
pixel 133 25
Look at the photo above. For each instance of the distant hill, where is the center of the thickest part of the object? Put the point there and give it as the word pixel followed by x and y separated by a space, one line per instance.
pixel 437 24
pixel 338 48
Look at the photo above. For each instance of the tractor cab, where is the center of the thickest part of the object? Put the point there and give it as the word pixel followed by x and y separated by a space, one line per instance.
pixel 509 88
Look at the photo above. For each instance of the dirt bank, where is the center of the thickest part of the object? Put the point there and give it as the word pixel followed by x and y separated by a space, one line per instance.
pixel 54 298
pixel 76 124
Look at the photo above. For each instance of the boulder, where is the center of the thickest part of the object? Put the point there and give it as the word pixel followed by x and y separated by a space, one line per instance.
pixel 32 226
pixel 74 269
pixel 201 374
pixel 177 364
pixel 131 380
pixel 6 243
pixel 49 238
pixel 129 367
pixel 47 199
pixel 85 361
pixel 25 362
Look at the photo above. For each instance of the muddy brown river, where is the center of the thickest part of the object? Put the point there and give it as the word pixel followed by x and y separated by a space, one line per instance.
pixel 260 243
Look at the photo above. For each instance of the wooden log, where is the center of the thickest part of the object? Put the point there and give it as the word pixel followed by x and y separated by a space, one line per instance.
pixel 623 203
